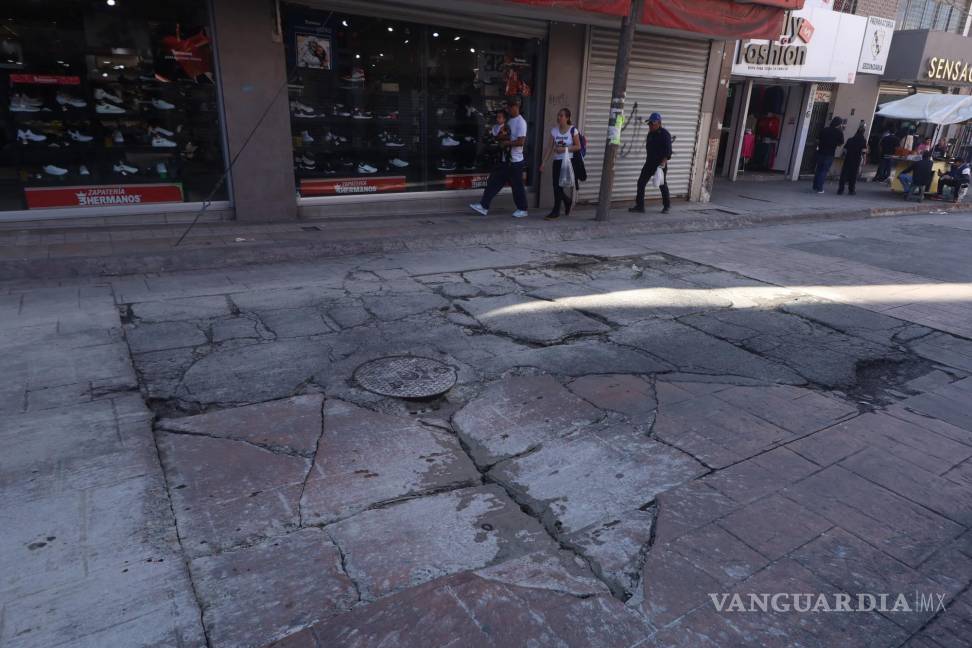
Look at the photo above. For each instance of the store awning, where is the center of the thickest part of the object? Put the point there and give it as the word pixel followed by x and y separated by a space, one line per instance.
pixel 931 108
pixel 719 19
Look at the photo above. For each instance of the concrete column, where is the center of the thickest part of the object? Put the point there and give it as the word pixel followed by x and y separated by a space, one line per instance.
pixel 565 72
pixel 803 129
pixel 710 125
pixel 252 71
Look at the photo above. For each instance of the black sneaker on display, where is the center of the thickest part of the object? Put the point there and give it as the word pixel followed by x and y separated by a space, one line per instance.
pixel 446 165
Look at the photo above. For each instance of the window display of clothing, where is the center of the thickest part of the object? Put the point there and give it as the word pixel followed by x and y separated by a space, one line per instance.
pixel 769 126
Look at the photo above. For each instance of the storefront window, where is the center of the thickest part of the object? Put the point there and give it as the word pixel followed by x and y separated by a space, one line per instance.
pixel 383 105
pixel 107 103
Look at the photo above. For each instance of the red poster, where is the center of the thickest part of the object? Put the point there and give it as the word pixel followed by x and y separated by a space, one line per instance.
pixel 45 79
pixel 343 186
pixel 102 196
pixel 466 180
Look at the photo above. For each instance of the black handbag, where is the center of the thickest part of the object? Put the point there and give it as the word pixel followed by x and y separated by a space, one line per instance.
pixel 580 171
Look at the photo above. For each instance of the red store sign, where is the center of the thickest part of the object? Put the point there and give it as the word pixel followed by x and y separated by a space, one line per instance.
pixel 102 196
pixel 345 186
pixel 466 180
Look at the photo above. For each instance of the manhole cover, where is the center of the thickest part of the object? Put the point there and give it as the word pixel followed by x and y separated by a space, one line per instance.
pixel 406 377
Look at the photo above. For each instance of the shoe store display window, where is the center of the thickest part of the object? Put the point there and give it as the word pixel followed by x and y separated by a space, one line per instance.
pixel 107 103
pixel 381 105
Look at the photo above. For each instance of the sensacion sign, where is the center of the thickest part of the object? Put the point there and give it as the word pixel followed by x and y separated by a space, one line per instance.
pixel 948 69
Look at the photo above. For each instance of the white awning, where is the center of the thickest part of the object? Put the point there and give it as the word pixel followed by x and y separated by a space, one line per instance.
pixel 932 108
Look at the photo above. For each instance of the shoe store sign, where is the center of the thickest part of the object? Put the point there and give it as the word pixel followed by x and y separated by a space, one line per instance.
pixel 102 196
pixel 944 69
pixel 812 47
pixel 346 186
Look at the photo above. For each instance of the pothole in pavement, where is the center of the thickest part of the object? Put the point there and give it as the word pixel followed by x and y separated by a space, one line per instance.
pixel 883 381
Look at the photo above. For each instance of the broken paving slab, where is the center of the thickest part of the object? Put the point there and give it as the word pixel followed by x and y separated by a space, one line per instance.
pixel 543 599
pixel 530 320
pixel 255 595
pixel 693 351
pixel 574 483
pixel 390 307
pixel 367 458
pixel 590 356
pixel 624 302
pixel 158 336
pixel 288 425
pixel 617 549
pixel 519 413
pixel 185 308
pixel 226 492
pixel 254 373
pixel 631 396
pixel 403 545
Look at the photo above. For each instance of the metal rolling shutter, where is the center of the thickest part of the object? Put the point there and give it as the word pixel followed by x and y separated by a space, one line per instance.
pixel 666 76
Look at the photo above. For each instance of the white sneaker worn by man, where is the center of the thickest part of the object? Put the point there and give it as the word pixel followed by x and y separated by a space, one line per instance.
pixel 476 207
pixel 520 213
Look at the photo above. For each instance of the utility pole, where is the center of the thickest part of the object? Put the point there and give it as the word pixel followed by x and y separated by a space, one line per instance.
pixel 618 91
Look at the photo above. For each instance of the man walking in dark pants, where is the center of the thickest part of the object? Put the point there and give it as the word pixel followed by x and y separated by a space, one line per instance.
pixel 830 138
pixel 512 171
pixel 658 149
pixel 853 150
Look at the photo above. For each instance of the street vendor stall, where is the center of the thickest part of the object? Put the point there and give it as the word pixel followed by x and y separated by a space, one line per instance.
pixel 938 109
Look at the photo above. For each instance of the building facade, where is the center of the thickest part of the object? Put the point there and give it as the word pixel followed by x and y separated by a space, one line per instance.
pixel 264 111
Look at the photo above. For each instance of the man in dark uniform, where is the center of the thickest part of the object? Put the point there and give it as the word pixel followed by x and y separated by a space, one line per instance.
pixel 888 145
pixel 854 149
pixel 658 149
pixel 830 138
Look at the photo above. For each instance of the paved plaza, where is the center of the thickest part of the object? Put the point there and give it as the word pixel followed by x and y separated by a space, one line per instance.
pixel 642 428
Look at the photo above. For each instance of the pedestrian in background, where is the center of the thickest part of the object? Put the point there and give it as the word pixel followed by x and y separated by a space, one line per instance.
pixel 830 138
pixel 887 146
pixel 512 171
pixel 854 149
pixel 564 142
pixel 658 151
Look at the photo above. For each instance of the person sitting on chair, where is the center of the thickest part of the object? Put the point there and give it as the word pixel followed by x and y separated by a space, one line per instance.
pixel 960 174
pixel 921 174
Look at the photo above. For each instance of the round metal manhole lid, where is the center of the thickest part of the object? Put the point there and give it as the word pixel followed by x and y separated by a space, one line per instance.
pixel 406 376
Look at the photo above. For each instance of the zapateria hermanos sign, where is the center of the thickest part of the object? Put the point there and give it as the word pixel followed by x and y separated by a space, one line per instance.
pixel 948 69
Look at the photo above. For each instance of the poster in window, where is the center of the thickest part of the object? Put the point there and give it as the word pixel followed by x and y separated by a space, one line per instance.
pixel 309 38
pixel 313 51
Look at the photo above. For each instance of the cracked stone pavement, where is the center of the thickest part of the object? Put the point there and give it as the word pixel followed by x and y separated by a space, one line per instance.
pixel 637 423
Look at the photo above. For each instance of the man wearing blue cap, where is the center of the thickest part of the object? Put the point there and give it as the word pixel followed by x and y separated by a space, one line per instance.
pixel 658 149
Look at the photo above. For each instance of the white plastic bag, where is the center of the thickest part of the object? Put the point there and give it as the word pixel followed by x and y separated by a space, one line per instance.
pixel 566 174
pixel 658 179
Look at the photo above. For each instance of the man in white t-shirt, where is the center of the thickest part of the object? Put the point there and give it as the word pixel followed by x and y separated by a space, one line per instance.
pixel 512 171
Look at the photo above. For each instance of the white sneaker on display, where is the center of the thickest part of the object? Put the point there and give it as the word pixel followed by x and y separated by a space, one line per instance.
pixel 476 207
pixel 158 130
pixel 50 169
pixel 398 162
pixel 162 170
pixel 68 100
pixel 103 95
pixel 366 168
pixel 16 106
pixel 27 100
pixel 162 104
pixel 124 169
pixel 103 108
pixel 28 135
pixel 448 141
pixel 308 162
pixel 161 142
pixel 78 136
pixel 520 213
pixel 83 170
pixel 117 137
pixel 306 137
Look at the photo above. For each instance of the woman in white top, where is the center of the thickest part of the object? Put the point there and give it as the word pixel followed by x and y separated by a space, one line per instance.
pixel 564 141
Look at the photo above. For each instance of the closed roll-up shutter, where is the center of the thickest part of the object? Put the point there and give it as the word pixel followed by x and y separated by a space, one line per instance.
pixel 667 76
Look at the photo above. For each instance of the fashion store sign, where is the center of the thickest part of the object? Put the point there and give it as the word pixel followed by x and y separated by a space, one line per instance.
pixel 948 70
pixel 812 47
pixel 102 196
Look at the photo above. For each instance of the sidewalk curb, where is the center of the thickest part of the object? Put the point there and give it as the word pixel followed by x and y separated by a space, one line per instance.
pixel 200 256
